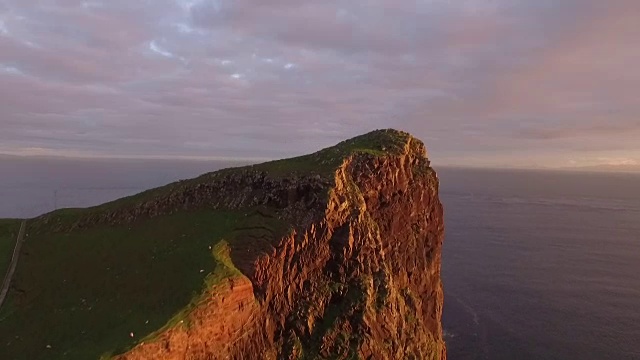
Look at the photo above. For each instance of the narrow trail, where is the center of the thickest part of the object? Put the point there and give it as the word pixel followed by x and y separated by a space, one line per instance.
pixel 14 263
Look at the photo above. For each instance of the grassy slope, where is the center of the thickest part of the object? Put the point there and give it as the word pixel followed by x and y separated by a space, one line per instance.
pixel 81 294
pixel 8 235
pixel 323 162
pixel 86 291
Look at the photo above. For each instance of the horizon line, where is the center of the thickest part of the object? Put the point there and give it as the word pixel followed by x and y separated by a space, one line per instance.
pixel 606 168
pixel 137 157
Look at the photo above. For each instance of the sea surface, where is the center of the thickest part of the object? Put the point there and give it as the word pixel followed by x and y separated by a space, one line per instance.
pixel 536 265
pixel 541 265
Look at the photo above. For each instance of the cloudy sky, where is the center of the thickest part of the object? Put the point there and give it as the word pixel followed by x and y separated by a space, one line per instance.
pixel 482 82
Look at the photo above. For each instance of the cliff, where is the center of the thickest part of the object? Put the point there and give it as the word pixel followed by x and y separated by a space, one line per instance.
pixel 334 255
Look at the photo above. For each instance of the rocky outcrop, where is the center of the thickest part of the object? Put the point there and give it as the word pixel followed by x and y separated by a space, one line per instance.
pixel 356 277
pixel 244 188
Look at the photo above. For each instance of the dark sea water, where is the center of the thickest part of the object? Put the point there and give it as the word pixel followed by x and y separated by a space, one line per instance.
pixel 536 265
pixel 541 265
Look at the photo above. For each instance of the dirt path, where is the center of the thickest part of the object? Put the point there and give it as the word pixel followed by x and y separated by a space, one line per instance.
pixel 14 262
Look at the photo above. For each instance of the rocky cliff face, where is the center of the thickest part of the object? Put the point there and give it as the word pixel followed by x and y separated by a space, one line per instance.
pixel 357 276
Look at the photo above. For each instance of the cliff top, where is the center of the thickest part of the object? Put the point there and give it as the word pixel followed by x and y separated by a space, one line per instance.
pixel 377 143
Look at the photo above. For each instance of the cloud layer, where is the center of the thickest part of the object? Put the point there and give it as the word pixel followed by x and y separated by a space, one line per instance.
pixel 498 82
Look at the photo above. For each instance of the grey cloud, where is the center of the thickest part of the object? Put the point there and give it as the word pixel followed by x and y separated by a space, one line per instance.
pixel 280 77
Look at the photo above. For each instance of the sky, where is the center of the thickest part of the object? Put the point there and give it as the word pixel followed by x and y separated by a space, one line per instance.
pixel 515 83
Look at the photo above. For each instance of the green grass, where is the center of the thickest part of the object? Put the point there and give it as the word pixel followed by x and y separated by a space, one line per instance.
pixel 82 293
pixel 8 235
pixel 224 268
pixel 324 162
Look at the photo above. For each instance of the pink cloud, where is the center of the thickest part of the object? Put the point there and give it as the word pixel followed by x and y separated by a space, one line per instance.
pixel 471 76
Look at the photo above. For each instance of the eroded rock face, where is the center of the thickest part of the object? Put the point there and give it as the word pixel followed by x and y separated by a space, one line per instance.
pixel 357 278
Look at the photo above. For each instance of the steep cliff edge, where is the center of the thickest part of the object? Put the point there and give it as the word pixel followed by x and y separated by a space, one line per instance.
pixel 359 278
pixel 334 255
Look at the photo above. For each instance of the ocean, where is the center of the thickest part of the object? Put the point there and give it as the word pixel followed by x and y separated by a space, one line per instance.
pixel 541 265
pixel 536 265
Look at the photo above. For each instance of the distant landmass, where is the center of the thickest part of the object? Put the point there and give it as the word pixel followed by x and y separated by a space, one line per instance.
pixel 607 168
